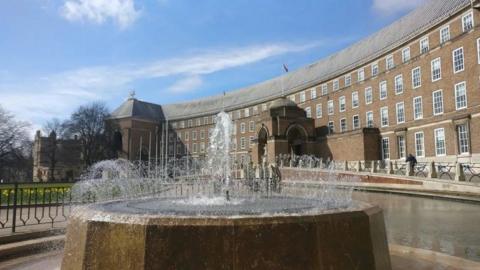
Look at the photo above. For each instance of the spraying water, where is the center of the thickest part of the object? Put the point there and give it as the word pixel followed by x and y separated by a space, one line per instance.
pixel 219 149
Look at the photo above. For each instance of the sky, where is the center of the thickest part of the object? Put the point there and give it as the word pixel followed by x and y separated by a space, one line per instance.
pixel 56 55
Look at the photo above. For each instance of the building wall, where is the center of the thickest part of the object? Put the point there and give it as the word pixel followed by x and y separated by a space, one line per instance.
pixel 348 144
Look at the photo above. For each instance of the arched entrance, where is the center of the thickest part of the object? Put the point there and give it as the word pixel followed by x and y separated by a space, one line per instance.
pixel 262 143
pixel 296 137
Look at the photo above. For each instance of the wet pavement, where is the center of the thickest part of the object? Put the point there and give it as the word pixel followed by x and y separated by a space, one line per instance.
pixel 439 225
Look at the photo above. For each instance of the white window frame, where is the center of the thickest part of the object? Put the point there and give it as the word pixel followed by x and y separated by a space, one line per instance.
pixel 342 102
pixel 242 128
pixel 374 69
pixel 348 80
pixel 385 154
pixel 384 116
pixel 303 97
pixel 324 89
pixel 463 60
pixel 308 111
pixel 398 84
pixel 420 113
pixel 438 145
pixel 380 90
pixel 414 86
pixel 439 60
pixel 313 93
pixel 355 99
pixel 247 112
pixel 406 54
pixel 400 117
pixel 331 127
pixel 434 102
pixel 470 13
pixel 463 139
pixel 389 62
pixel 367 120
pixel 361 75
pixel 242 143
pixel 446 38
pixel 343 125
pixel 318 110
pixel 457 96
pixel 336 85
pixel 251 126
pixel 370 91
pixel 417 149
pixel 401 147
pixel 357 125
pixel 424 45
pixel 330 107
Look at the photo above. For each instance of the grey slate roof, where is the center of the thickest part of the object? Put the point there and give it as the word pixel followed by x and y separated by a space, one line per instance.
pixel 139 109
pixel 355 56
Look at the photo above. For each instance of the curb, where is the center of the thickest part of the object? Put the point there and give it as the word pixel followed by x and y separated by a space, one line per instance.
pixel 23 248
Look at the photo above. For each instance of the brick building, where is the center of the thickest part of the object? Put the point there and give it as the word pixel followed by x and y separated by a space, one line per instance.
pixel 412 87
pixel 56 159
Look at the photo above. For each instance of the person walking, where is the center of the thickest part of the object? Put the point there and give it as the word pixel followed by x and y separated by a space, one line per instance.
pixel 412 161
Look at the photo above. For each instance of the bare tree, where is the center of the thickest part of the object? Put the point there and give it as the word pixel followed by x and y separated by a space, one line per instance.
pixel 89 123
pixel 14 143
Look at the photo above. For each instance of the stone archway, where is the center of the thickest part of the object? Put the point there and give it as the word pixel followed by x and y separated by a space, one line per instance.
pixel 296 137
pixel 262 142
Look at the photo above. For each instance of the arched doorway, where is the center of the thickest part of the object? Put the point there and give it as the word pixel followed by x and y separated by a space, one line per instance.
pixel 262 143
pixel 296 137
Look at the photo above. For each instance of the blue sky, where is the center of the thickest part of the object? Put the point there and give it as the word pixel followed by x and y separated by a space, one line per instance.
pixel 58 54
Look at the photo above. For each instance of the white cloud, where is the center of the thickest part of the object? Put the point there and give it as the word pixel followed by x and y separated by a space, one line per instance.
pixel 122 12
pixel 187 84
pixel 389 7
pixel 56 95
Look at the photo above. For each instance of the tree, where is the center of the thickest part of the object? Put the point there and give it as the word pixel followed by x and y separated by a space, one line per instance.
pixel 55 129
pixel 89 123
pixel 15 146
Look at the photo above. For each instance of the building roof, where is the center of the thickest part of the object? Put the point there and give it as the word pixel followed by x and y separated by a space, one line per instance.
pixel 401 31
pixel 133 107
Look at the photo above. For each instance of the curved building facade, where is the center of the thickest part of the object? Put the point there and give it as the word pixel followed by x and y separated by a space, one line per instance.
pixel 412 87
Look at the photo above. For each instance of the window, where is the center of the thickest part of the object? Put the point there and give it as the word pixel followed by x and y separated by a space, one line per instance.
pixel 417 108
pixel 436 69
pixel 369 118
pixel 383 90
pixel 400 112
pixel 198 122
pixel 343 125
pixel 205 120
pixel 361 75
pixel 313 93
pixel 368 95
pixel 478 50
pixel 460 96
pixel 318 109
pixel 331 127
pixel 239 113
pixel 463 141
pixel 401 146
pixel 242 143
pixel 389 62
pixel 354 99
pixel 255 110
pixel 437 102
pixel 182 124
pixel 458 62
pixel 302 97
pixel 419 144
pixel 424 45
pixel 202 134
pixel 330 107
pixel 194 135
pixel 467 22
pixel 190 123
pixel 406 55
pixel 251 127
pixel 234 129
pixel 187 135
pixel 242 128
pixel 445 34
pixel 384 116
pixel 440 142
pixel 202 147
pixel 348 80
pixel 336 85
pixel 194 148
pixel 385 148
pixel 250 141
pixel 308 110
pixel 247 112
pixel 324 89
pixel 356 122
pixel 416 77
pixel 341 103
pixel 264 107
pixel 292 98
pixel 374 69
pixel 398 84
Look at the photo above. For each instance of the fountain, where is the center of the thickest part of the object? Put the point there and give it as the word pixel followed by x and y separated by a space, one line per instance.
pixel 144 221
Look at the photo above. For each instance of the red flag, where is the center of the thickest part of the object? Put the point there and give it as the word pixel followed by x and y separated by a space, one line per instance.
pixel 285 68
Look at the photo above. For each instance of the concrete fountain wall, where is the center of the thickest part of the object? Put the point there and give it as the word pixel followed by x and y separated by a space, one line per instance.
pixel 353 239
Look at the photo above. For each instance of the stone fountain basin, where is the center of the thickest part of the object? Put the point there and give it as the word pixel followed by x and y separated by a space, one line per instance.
pixel 137 235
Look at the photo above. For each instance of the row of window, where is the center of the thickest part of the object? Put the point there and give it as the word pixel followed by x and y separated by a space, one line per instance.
pixel 463 143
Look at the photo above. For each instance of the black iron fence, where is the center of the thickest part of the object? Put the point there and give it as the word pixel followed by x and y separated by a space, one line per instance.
pixel 28 204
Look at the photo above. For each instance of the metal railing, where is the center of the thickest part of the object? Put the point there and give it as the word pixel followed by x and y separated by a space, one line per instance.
pixel 28 204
